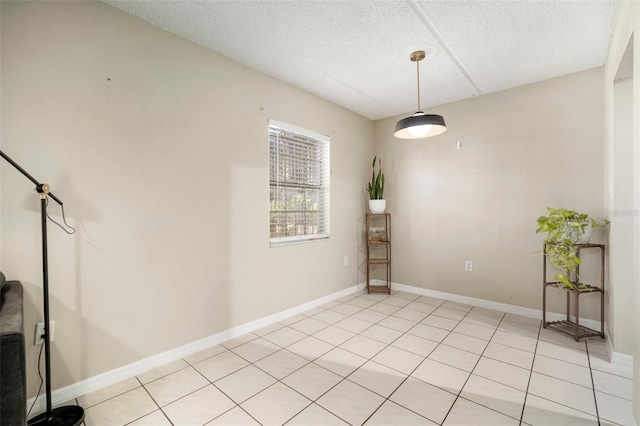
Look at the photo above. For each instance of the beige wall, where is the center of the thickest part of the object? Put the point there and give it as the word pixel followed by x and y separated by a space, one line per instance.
pixel 521 150
pixel 625 141
pixel 159 149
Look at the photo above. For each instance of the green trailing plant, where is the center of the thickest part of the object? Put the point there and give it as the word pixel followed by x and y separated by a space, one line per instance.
pixel 564 228
pixel 376 186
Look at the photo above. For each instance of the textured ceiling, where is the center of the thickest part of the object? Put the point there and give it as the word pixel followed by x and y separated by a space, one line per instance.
pixel 356 53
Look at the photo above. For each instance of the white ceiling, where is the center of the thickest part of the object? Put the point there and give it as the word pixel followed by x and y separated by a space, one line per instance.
pixel 355 53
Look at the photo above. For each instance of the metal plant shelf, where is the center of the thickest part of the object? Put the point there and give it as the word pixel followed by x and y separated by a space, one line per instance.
pixel 567 326
pixel 378 228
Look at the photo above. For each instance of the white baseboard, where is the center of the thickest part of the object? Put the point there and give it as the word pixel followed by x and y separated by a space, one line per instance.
pixel 65 394
pixel 92 384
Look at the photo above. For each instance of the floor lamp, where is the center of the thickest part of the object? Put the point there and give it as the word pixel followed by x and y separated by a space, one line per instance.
pixel 61 416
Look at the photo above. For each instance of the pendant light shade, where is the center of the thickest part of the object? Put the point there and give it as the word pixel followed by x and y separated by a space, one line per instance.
pixel 419 125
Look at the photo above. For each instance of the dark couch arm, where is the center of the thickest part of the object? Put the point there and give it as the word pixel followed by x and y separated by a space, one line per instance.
pixel 13 384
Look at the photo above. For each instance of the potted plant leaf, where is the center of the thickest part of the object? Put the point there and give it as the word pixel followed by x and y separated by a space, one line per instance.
pixel 565 228
pixel 377 203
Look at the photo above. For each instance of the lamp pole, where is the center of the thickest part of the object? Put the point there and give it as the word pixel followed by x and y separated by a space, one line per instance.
pixel 61 416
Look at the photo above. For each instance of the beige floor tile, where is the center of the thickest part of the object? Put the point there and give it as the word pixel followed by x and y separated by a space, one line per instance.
pixel 469 413
pixel 164 370
pixel 314 415
pixel 234 417
pixel 256 349
pixel 429 332
pixel 563 353
pixel 494 395
pixel 552 336
pixel 352 403
pixel 275 405
pixel 202 355
pixel 334 335
pixel 613 385
pixel 430 300
pixel 245 383
pixel 415 344
pixel 404 295
pixel 384 308
pixel 93 398
pixel 617 410
pixel 329 316
pixel 517 341
pixel 457 306
pixel 157 418
pixel 284 337
pixel 354 325
pixel 455 357
pixel 281 364
pixel 398 359
pixel 176 385
pixel 453 314
pixel 532 322
pixel 309 325
pixel 411 315
pixel 423 308
pixel 397 301
pixel 381 334
pixel 310 348
pixel 346 309
pixel 363 346
pixel 466 343
pixel 427 400
pixel 562 392
pixel 440 322
pixel 597 346
pixel 563 370
pixel 483 318
pixel 312 380
pixel 501 372
pixel 542 412
pixel 519 328
pixel 121 410
pixel 340 361
pixel 517 357
pixel 362 302
pixel 392 414
pixel 218 366
pixel 397 323
pixel 370 316
pixel 441 375
pixel 377 378
pixel 198 407
pixel 473 330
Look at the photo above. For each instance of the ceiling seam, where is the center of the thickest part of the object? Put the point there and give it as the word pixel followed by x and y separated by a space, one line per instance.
pixel 427 22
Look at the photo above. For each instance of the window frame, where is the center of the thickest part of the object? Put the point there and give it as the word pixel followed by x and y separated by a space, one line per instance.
pixel 324 204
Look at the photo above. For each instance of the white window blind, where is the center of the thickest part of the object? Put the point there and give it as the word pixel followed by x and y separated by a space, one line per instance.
pixel 299 184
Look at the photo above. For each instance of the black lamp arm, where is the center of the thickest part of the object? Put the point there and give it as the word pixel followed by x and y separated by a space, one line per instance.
pixel 42 188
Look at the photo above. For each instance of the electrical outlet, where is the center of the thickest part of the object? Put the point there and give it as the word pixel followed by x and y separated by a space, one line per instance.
pixel 468 265
pixel 39 337
pixel 346 261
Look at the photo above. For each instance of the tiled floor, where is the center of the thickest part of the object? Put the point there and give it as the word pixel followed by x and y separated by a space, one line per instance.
pixel 381 360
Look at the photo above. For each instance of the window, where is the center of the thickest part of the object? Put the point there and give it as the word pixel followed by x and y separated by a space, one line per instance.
pixel 299 184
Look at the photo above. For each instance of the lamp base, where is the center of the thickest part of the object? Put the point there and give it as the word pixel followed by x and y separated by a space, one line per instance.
pixel 71 415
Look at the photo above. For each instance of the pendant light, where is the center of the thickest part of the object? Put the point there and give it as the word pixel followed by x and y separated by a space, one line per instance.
pixel 419 125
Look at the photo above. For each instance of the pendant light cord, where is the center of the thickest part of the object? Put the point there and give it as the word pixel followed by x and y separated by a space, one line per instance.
pixel 418 68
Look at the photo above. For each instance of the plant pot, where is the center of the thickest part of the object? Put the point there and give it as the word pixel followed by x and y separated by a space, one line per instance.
pixel 377 206
pixel 577 236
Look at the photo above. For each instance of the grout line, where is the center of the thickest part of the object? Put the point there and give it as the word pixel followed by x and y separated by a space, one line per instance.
pixel 533 361
pixel 593 384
